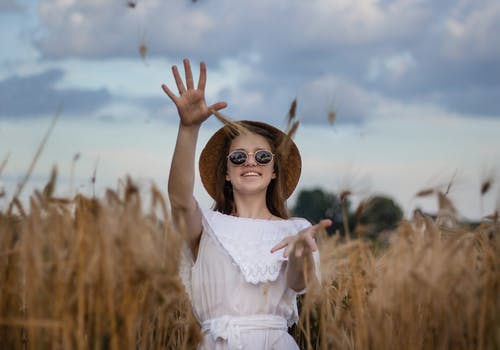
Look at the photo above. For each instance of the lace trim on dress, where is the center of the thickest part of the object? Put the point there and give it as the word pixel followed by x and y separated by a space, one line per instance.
pixel 249 241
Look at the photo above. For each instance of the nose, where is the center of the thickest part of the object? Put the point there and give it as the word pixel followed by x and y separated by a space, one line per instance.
pixel 250 159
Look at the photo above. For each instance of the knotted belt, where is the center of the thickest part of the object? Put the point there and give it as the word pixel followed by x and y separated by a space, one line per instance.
pixel 229 328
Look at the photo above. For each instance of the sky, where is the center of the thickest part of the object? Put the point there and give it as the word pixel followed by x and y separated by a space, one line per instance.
pixel 414 86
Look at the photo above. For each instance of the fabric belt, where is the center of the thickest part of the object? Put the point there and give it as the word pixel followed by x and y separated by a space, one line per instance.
pixel 229 328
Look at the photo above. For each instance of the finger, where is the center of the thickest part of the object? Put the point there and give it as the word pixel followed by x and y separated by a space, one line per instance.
pixel 169 92
pixel 189 74
pixel 311 242
pixel 323 224
pixel 289 248
pixel 218 106
pixel 178 80
pixel 203 76
pixel 280 245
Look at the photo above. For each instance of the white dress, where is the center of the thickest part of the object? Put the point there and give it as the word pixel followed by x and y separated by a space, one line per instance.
pixel 238 288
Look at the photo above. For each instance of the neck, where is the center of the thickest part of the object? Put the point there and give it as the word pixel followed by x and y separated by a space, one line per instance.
pixel 253 207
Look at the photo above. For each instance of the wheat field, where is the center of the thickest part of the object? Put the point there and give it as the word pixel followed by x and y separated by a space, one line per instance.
pixel 102 273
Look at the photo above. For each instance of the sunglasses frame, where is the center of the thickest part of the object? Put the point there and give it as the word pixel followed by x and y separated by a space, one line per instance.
pixel 248 154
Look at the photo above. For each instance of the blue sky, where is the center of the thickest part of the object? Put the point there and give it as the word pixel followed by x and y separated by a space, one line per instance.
pixel 415 86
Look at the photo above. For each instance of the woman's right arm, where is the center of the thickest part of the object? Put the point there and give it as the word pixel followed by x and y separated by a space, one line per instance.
pixel 193 111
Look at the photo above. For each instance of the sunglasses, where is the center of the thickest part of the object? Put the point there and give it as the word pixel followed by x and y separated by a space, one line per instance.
pixel 262 157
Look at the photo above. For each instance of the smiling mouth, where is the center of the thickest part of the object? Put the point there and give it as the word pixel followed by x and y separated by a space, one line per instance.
pixel 250 173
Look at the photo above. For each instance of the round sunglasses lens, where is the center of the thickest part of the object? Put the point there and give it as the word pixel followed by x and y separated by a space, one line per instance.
pixel 238 157
pixel 263 157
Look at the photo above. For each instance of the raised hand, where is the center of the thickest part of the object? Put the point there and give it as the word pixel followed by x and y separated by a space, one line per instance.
pixel 190 103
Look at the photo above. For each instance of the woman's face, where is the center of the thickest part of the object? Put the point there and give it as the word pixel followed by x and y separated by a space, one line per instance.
pixel 250 177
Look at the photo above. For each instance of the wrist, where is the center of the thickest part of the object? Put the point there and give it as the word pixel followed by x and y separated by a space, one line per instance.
pixel 192 127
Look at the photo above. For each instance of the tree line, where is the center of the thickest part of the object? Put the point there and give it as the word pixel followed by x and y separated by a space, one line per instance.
pixel 373 216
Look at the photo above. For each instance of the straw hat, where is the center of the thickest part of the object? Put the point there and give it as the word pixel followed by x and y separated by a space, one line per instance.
pixel 289 156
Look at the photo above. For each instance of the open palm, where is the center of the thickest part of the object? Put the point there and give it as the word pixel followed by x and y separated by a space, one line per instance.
pixel 190 103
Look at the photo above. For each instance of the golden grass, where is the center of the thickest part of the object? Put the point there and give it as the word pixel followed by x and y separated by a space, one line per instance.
pixel 88 273
pixel 432 288
pixel 92 274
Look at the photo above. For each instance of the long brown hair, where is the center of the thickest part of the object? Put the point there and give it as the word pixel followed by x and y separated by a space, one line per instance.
pixel 275 199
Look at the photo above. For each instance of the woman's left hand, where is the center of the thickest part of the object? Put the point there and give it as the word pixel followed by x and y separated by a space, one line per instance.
pixel 308 234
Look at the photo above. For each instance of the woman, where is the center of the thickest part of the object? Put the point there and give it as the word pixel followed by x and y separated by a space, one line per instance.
pixel 243 288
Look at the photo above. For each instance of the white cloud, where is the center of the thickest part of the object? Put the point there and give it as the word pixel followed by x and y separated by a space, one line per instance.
pixel 111 29
pixel 360 22
pixel 393 67
pixel 471 33
pixel 350 101
pixel 95 28
pixel 398 48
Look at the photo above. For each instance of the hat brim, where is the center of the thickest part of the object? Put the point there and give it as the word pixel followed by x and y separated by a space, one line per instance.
pixel 290 160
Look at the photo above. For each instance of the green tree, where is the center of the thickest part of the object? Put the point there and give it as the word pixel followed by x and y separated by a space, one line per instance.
pixel 380 213
pixel 316 204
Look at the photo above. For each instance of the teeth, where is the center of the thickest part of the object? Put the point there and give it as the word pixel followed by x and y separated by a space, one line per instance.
pixel 250 173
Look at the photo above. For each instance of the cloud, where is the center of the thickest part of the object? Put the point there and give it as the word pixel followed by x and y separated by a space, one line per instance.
pixel 470 33
pixel 466 88
pixel 97 29
pixel 350 102
pixel 414 51
pixel 10 6
pixel 394 67
pixel 470 100
pixel 37 94
pixel 454 63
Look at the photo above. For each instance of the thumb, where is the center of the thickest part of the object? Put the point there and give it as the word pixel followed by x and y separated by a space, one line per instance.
pixel 323 224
